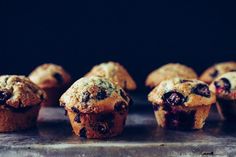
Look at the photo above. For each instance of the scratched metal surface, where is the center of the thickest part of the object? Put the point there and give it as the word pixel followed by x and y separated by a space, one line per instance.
pixel 141 137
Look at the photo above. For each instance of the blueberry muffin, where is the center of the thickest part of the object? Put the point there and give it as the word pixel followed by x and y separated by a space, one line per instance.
pixel 216 70
pixel 181 103
pixel 116 73
pixel 53 79
pixel 96 107
pixel 20 101
pixel 169 71
pixel 224 88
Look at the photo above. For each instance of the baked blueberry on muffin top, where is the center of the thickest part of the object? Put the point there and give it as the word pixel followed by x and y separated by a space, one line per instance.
pixel 49 75
pixel 169 71
pixel 216 70
pixel 97 108
pixel 225 86
pixel 181 103
pixel 93 94
pixel 185 92
pixel 19 92
pixel 116 73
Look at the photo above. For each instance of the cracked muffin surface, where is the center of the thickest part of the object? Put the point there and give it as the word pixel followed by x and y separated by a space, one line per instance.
pixel 216 70
pixel 186 92
pixel 169 71
pixel 115 72
pixel 18 92
pixel 93 94
pixel 49 75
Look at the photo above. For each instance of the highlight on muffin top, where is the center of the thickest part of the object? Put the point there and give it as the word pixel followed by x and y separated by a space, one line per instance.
pixel 216 70
pixel 169 71
pixel 94 94
pixel 18 91
pixel 115 72
pixel 49 75
pixel 225 86
pixel 185 92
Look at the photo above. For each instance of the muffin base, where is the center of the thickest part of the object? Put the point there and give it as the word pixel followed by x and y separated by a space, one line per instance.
pixel 227 109
pixel 182 118
pixel 13 120
pixel 102 125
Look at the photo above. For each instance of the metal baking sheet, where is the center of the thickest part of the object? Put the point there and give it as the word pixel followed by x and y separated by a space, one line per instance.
pixel 53 137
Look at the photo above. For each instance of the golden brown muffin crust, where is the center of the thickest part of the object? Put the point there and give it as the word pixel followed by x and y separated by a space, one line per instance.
pixel 169 71
pixel 49 75
pixel 193 92
pixel 216 70
pixel 19 91
pixel 94 95
pixel 116 73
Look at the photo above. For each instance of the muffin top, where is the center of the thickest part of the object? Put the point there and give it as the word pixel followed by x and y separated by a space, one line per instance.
pixel 19 91
pixel 224 86
pixel 169 71
pixel 216 70
pixel 49 75
pixel 182 92
pixel 95 95
pixel 116 73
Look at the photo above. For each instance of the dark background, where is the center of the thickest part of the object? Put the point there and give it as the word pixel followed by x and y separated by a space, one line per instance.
pixel 141 35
